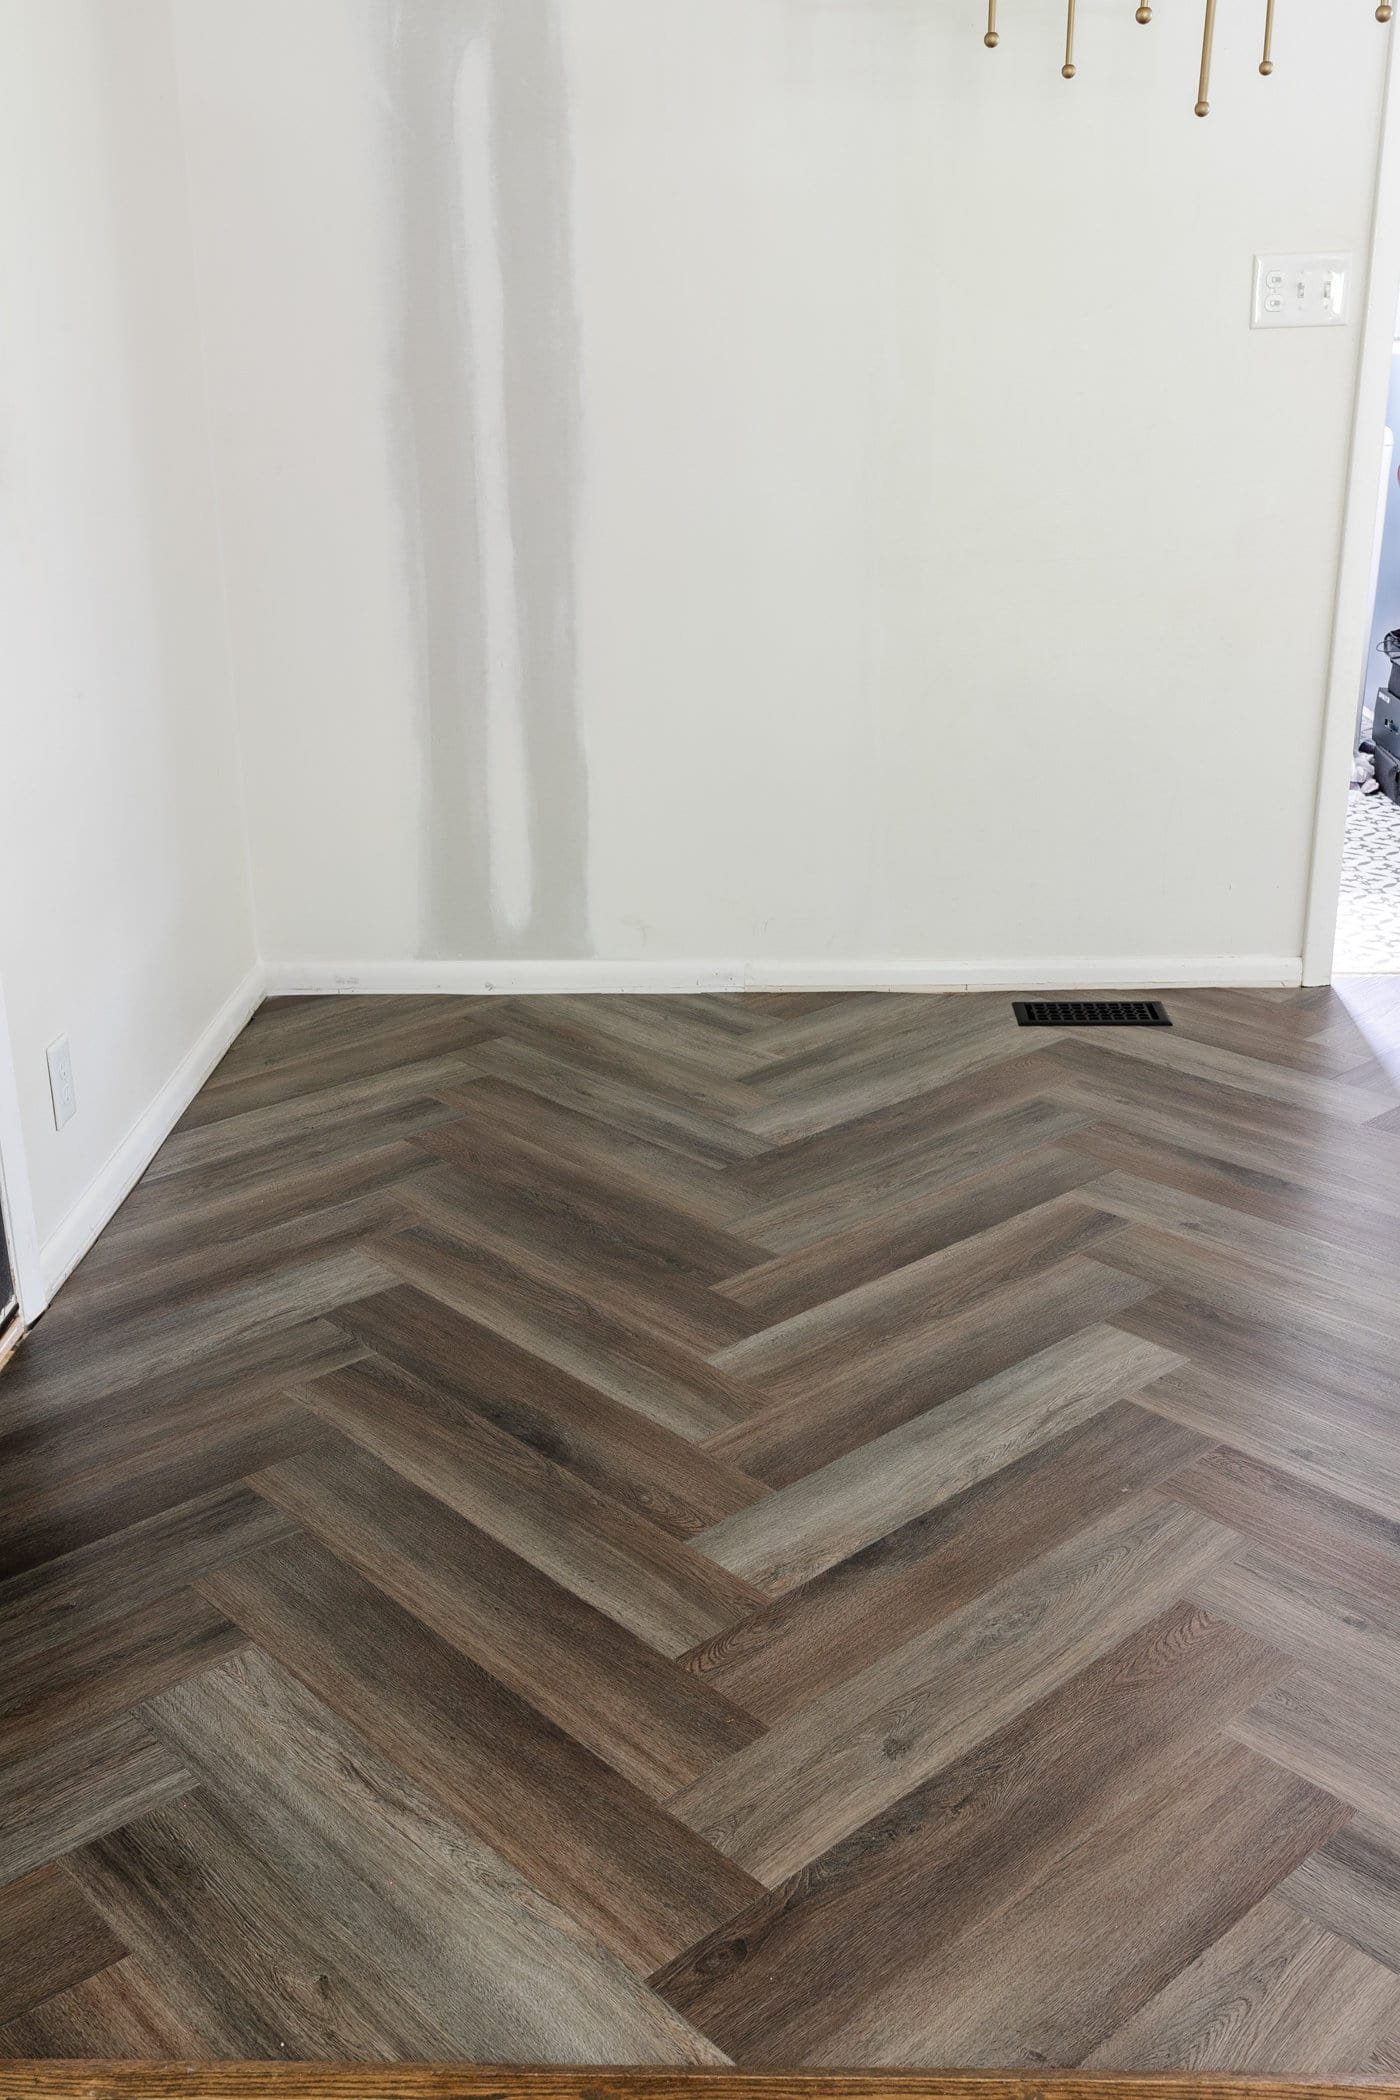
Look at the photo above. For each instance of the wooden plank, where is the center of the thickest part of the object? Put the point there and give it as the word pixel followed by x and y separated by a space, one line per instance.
pixel 611 1557
pixel 580 1833
pixel 278 2081
pixel 826 1769
pixel 579 1668
pixel 783 1542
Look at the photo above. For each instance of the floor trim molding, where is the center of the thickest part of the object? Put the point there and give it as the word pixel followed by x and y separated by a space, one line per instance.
pixel 71 1238
pixel 520 978
pixel 294 2081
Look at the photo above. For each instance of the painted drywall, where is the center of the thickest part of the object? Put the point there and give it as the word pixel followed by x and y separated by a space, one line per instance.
pixel 127 918
pixel 770 478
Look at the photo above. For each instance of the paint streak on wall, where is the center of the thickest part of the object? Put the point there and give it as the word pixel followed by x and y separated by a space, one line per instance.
pixel 486 440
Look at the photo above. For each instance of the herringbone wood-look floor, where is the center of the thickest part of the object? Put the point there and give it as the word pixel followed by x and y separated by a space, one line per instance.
pixel 806 1531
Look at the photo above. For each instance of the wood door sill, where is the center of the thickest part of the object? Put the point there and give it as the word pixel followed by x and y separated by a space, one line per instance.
pixel 53 2080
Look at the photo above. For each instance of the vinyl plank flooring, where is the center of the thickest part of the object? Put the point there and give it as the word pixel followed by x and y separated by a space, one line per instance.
pixel 198 1330
pixel 803 1643
pixel 78 1786
pixel 116 2016
pixel 197 1460
pixel 1322 1535
pixel 664 1477
pixel 396 1089
pixel 850 1335
pixel 569 1329
pixel 104 1663
pixel 1274 1996
pixel 1362 1219
pixel 554 1239
pixel 579 1832
pixel 784 1981
pixel 50 1939
pixel 700 1189
pixel 790 1438
pixel 782 1543
pixel 807 1277
pixel 1186 1857
pixel 651 1583
pixel 814 1529
pixel 1336 1733
pixel 134 1245
pixel 36 1396
pixel 664 1115
pixel 253 1955
pixel 577 1667
pixel 1351 1887
pixel 507 1973
pixel 819 1774
pixel 1312 1436
pixel 1328 1627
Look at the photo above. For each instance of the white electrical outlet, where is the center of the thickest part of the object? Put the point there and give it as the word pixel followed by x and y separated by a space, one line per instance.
pixel 1301 291
pixel 65 1099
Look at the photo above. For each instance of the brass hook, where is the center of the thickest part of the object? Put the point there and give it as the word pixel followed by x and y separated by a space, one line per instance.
pixel 1207 44
pixel 1068 67
pixel 991 39
pixel 1266 63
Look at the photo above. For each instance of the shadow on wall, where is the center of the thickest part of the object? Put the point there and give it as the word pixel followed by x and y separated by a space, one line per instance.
pixel 486 436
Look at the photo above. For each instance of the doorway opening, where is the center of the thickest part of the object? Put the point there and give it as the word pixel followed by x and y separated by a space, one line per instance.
pixel 1368 905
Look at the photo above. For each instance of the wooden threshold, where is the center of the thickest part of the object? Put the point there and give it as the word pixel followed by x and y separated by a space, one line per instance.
pixel 51 2080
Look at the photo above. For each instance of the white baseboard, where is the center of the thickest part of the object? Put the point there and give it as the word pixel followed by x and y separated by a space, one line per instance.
pixel 517 979
pixel 70 1240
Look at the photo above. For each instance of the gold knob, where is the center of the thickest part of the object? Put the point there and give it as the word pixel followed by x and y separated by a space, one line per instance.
pixel 1266 67
pixel 1202 109
pixel 991 40
pixel 1383 14
pixel 1144 14
pixel 1067 72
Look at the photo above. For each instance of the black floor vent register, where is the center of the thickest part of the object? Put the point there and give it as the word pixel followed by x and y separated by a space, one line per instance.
pixel 1092 1013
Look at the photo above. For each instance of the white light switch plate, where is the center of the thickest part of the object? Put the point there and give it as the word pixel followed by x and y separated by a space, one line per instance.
pixel 1302 291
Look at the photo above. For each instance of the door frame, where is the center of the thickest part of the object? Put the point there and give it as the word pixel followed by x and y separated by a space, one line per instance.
pixel 21 1230
pixel 1352 618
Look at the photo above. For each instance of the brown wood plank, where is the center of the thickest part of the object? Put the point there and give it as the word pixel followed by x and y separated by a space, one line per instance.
pixel 787 1978
pixel 1273 1991
pixel 826 1769
pixel 50 1939
pixel 612 1558
pixel 579 1832
pixel 607 1689
pixel 416 1914
pixel 802 1644
pixel 662 1476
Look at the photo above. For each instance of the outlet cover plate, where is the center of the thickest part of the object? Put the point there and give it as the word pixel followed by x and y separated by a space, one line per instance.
pixel 1302 291
pixel 65 1099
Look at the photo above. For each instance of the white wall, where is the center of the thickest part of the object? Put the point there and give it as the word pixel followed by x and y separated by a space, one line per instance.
pixel 126 918
pixel 771 479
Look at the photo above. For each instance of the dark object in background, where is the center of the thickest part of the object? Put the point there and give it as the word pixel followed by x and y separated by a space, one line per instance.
pixel 1391 648
pixel 1388 772
pixel 1385 733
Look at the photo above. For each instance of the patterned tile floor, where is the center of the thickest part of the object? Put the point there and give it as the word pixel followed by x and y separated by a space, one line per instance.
pixel 1368 916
